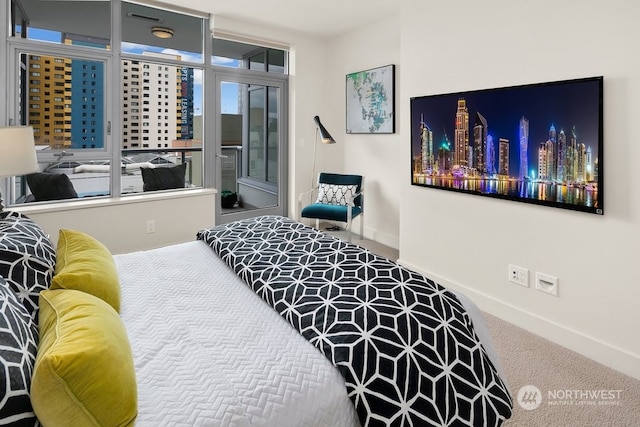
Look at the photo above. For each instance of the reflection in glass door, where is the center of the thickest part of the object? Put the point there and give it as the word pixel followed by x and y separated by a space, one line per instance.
pixel 250 148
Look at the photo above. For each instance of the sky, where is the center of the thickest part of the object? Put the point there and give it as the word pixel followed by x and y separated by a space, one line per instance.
pixel 561 104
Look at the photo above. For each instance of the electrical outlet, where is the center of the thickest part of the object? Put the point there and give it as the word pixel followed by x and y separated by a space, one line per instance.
pixel 151 226
pixel 519 275
pixel 547 283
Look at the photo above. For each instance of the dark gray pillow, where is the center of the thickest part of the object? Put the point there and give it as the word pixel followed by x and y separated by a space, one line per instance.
pixel 163 178
pixel 51 186
pixel 19 345
pixel 27 258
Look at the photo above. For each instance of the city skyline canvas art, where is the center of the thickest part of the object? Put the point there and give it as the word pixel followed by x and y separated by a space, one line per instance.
pixel 539 143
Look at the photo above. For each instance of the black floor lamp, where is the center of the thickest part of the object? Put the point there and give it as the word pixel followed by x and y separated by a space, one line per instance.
pixel 326 138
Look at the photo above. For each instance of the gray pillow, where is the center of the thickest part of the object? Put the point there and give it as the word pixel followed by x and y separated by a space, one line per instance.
pixel 51 186
pixel 163 178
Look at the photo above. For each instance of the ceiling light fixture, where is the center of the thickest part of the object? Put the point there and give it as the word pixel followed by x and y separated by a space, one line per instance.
pixel 162 32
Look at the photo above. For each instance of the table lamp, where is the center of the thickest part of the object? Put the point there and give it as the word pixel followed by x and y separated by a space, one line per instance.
pixel 17 152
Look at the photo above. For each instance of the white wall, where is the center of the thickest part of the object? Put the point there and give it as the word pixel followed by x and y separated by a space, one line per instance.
pixel 467 241
pixel 379 158
pixel 121 224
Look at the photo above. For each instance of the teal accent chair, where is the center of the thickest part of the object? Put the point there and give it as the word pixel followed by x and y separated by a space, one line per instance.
pixel 338 198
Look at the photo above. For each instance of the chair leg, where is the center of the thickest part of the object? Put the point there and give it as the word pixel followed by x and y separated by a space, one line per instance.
pixel 349 229
pixel 361 226
pixel 317 224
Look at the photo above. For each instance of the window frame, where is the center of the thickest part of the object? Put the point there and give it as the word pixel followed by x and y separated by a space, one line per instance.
pixel 33 47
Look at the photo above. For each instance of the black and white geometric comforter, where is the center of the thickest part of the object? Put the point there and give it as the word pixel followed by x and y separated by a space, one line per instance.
pixel 404 344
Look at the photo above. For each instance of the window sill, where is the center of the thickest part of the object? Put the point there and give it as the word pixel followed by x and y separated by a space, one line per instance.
pixel 110 201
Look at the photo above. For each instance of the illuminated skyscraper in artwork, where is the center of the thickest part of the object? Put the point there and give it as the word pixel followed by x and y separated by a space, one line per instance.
pixel 589 165
pixel 490 156
pixel 426 141
pixel 461 134
pixel 571 157
pixel 542 161
pixel 562 156
pixel 503 157
pixel 480 130
pixel 581 164
pixel 444 156
pixel 551 158
pixel 524 143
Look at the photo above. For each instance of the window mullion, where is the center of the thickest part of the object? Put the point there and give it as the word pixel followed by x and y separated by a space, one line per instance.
pixel 114 88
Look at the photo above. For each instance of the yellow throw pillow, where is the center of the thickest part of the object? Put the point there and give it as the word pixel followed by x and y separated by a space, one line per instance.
pixel 85 264
pixel 84 373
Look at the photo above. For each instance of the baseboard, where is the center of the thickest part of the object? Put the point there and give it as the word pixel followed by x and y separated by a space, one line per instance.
pixel 376 236
pixel 602 352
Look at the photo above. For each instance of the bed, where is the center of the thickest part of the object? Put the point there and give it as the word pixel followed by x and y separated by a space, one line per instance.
pixel 259 322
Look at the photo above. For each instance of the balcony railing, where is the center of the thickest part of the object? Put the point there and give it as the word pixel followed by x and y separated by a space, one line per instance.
pixel 92 178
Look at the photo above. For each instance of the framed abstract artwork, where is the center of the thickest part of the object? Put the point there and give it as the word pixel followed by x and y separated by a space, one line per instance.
pixel 371 100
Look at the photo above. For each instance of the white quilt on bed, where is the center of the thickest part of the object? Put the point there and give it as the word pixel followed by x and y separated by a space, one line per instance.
pixel 209 352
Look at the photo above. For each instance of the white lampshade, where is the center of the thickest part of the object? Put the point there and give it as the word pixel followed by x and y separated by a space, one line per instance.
pixel 17 151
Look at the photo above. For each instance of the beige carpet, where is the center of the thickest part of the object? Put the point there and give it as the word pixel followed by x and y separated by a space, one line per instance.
pixel 575 391
pixel 570 390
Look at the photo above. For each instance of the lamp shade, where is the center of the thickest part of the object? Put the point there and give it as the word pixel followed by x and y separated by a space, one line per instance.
pixel 17 151
pixel 324 133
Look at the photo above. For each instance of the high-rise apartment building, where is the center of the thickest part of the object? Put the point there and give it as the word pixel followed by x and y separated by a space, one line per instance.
pixel 66 98
pixel 157 103
pixel 49 100
pixel 87 100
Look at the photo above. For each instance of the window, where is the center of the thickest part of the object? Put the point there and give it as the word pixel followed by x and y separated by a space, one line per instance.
pixel 66 121
pixel 45 13
pixel 67 89
pixel 240 55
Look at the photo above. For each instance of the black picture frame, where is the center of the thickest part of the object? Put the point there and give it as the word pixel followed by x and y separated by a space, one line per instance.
pixel 538 143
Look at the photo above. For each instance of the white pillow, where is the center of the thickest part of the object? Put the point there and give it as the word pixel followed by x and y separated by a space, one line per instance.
pixel 334 194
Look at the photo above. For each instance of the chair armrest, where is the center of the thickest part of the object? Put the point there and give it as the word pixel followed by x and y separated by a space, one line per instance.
pixel 301 197
pixel 304 193
pixel 351 198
